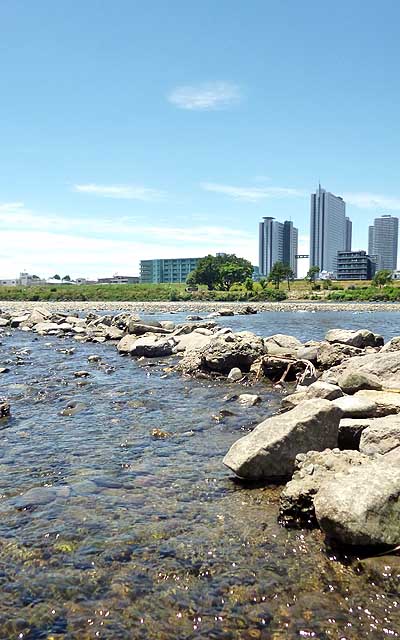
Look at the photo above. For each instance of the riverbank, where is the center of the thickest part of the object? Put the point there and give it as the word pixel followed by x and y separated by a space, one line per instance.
pixel 201 306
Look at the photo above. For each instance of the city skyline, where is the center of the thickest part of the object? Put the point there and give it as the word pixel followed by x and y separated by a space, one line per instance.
pixel 116 150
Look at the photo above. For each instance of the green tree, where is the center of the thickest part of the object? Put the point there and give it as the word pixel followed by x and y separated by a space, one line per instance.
pixel 67 278
pixel 278 273
pixel 312 275
pixel 263 282
pixel 249 284
pixel 220 272
pixel 56 277
pixel 289 276
pixel 382 277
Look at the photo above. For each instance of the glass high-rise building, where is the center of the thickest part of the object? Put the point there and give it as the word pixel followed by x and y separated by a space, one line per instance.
pixel 349 233
pixel 383 241
pixel 330 229
pixel 278 242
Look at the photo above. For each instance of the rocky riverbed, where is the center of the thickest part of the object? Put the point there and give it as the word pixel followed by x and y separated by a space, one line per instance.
pixel 119 516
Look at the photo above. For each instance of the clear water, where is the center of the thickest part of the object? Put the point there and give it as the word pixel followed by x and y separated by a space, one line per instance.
pixel 133 536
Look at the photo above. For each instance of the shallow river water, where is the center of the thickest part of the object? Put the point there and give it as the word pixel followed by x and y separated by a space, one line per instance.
pixel 109 532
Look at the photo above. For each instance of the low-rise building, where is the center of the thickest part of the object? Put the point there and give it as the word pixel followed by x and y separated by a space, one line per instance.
pixel 355 265
pixel 116 279
pixel 167 270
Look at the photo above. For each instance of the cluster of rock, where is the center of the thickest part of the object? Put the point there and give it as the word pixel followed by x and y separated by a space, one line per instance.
pixel 338 439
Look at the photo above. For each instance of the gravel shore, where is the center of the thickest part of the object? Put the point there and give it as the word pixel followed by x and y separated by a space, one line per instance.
pixel 200 307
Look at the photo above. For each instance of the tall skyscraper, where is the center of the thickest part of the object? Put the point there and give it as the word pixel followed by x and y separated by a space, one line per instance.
pixel 278 242
pixel 349 233
pixel 383 241
pixel 328 229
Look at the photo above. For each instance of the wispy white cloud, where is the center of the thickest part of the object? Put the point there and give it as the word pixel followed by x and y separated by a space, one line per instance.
pixel 120 192
pixel 48 243
pixel 205 97
pixel 372 201
pixel 253 194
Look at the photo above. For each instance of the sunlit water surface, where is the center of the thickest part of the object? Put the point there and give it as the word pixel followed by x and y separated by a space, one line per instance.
pixel 139 537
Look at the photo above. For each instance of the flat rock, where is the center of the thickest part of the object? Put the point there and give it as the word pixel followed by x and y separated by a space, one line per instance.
pixel 271 449
pixel 363 507
pixel 360 338
pixel 45 327
pixel 387 401
pixel 353 407
pixel 139 328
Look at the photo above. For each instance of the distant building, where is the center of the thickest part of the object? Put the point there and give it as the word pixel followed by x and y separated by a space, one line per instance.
pixel 278 242
pixel 256 276
pixel 9 283
pixel 167 270
pixel 383 241
pixel 116 279
pixel 355 265
pixel 349 233
pixel 330 230
pixel 26 280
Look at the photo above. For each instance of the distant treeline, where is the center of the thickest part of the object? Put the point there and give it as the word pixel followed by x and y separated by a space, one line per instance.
pixel 133 292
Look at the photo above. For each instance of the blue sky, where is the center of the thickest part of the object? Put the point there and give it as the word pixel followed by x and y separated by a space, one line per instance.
pixel 133 130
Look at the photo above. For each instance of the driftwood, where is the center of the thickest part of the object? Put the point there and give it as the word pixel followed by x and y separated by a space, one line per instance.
pixel 278 362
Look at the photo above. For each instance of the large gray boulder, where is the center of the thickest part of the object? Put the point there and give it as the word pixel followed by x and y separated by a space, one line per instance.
pixel 311 470
pixel 361 338
pixel 152 347
pixel 271 449
pixel 384 365
pixel 363 507
pixel 223 352
pixel 381 436
pixel 194 340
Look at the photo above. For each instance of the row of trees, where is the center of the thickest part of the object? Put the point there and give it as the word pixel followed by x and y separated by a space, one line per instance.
pixel 221 272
